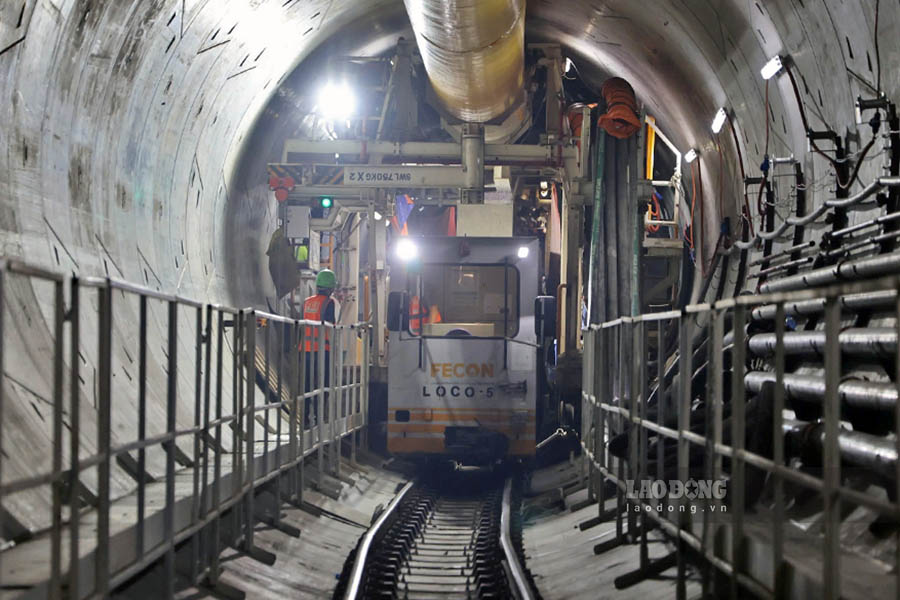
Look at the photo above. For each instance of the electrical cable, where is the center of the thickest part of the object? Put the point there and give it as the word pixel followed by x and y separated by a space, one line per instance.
pixel 693 201
pixel 700 216
pixel 834 162
pixel 877 50
pixel 746 213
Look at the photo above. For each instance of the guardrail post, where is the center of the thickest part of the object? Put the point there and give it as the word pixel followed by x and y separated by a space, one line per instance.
pixel 74 423
pixel 738 405
pixel 293 391
pixel 104 375
pixel 171 408
pixel 237 395
pixel 204 498
pixel 198 408
pixel 337 399
pixel 778 457
pixel 320 398
pixel 250 370
pixel 302 376
pixel 685 370
pixel 56 485
pixel 217 456
pixel 600 420
pixel 831 576
pixel 367 354
pixel 3 276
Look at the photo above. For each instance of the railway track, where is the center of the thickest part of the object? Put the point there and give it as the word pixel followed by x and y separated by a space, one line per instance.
pixel 442 541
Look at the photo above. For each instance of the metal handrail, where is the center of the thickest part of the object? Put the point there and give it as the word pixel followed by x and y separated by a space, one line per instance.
pixel 344 403
pixel 354 588
pixel 616 394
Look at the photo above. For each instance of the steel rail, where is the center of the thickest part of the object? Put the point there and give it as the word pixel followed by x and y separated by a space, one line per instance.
pixel 354 587
pixel 519 582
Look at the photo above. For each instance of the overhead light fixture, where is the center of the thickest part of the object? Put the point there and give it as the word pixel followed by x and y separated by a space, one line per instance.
pixel 377 216
pixel 406 249
pixel 544 192
pixel 568 64
pixel 522 252
pixel 336 101
pixel 690 155
pixel 719 120
pixel 771 68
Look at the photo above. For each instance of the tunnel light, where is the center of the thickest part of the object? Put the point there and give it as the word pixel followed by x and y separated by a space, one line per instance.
pixel 522 252
pixel 336 101
pixel 690 155
pixel 377 216
pixel 568 65
pixel 406 250
pixel 544 193
pixel 719 120
pixel 771 68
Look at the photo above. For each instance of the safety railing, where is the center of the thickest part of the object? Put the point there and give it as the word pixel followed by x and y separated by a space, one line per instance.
pixel 168 422
pixel 717 462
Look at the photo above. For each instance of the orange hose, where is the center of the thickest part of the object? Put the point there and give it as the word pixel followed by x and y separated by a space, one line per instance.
pixel 621 118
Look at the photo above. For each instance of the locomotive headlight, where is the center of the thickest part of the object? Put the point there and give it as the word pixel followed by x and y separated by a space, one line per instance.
pixel 406 250
pixel 523 252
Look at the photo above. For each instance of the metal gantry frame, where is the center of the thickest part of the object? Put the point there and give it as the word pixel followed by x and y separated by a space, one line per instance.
pixel 615 401
pixel 228 464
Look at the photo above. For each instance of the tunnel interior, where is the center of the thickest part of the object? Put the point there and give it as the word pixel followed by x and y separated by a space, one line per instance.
pixel 138 135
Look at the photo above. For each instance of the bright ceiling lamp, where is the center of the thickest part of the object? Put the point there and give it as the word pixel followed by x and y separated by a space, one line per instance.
pixel 719 120
pixel 336 101
pixel 406 250
pixel 771 68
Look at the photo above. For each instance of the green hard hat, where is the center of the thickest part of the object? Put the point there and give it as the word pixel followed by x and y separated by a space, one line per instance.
pixel 326 279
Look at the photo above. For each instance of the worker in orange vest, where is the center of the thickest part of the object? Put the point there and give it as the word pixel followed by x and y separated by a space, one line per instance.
pixel 320 307
pixel 420 313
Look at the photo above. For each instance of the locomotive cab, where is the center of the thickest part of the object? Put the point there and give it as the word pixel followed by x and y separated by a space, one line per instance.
pixel 462 348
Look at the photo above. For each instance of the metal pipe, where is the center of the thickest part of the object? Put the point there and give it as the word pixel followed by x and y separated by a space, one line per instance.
pixel 873 188
pixel 853 228
pixel 473 163
pixel 474 53
pixel 876 453
pixel 842 271
pixel 872 342
pixel 855 393
pixel 871 300
pixel 780 254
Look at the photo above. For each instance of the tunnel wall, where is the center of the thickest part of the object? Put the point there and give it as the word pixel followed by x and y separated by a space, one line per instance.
pixel 124 124
pixel 133 131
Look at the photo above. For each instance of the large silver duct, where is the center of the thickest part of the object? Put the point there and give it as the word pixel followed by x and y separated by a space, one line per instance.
pixel 474 52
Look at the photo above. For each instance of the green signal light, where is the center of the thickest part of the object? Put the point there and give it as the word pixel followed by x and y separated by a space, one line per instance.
pixel 326 202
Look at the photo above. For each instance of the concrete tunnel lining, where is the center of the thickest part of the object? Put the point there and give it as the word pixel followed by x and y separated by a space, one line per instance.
pixel 136 137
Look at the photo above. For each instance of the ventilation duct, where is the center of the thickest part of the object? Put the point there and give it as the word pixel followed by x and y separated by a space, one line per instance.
pixel 474 52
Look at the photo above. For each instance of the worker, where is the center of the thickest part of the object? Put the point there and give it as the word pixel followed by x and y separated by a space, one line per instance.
pixel 319 307
pixel 301 254
pixel 420 313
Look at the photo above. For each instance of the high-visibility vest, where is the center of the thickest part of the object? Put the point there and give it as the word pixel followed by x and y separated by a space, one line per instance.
pixel 419 313
pixel 313 310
